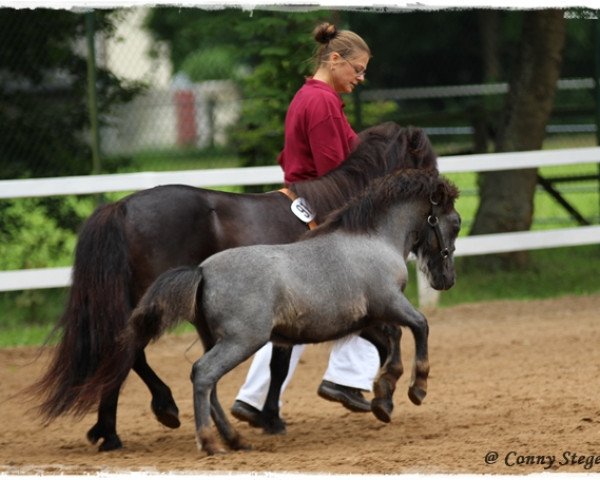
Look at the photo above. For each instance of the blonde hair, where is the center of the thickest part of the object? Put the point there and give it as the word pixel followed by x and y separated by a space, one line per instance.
pixel 348 44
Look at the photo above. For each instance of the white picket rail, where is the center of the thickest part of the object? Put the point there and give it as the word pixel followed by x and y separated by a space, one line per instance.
pixel 122 182
pixel 477 245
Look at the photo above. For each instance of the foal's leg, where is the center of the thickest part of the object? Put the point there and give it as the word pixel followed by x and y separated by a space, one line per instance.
pixel 279 366
pixel 386 338
pixel 409 316
pixel 230 434
pixel 163 405
pixel 206 372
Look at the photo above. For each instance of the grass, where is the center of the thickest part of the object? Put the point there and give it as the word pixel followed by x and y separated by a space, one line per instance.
pixel 547 212
pixel 185 160
pixel 552 273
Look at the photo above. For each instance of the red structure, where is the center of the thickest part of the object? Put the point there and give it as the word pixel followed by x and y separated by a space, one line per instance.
pixel 185 106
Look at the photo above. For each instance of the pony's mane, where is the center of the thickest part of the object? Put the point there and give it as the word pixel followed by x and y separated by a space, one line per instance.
pixel 360 213
pixel 382 149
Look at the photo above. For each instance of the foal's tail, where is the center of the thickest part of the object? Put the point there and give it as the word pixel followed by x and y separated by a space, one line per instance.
pixel 171 298
pixel 98 306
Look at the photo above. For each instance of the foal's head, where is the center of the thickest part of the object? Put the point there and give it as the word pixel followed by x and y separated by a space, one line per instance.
pixel 437 220
pixel 434 247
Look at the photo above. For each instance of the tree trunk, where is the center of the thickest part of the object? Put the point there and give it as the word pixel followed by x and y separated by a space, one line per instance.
pixel 506 197
pixel 489 27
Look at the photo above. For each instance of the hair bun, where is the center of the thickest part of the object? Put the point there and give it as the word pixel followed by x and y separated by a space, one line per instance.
pixel 325 32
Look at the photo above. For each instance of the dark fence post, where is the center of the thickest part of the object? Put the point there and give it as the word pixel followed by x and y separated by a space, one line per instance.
pixel 92 93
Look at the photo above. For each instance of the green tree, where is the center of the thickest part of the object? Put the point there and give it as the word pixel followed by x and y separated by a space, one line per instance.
pixel 276 56
pixel 43 109
pixel 280 67
pixel 188 31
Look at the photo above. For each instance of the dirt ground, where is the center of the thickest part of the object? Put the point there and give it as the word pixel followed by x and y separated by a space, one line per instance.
pixel 513 390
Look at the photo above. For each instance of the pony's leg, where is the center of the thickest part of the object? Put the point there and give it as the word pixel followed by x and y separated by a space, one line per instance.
pixel 106 425
pixel 206 372
pixel 230 434
pixel 386 339
pixel 279 366
pixel 163 405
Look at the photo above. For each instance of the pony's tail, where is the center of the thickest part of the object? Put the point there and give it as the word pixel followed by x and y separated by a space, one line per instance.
pixel 97 309
pixel 170 299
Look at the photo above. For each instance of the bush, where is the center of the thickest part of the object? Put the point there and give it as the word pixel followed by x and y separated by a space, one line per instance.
pixel 37 233
pixel 215 63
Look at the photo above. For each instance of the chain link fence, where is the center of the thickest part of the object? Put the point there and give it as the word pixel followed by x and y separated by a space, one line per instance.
pixel 147 110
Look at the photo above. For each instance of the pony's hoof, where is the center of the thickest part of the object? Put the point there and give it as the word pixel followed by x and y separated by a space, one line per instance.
pixel 94 434
pixel 382 409
pixel 111 440
pixel 168 416
pixel 275 427
pixel 110 444
pixel 417 394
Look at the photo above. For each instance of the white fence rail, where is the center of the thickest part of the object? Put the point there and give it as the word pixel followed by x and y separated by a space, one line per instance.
pixel 477 245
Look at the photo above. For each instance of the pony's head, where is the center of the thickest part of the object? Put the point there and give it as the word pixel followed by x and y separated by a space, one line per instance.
pixel 392 147
pixel 382 150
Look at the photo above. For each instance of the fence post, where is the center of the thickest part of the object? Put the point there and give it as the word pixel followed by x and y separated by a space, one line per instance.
pixel 428 297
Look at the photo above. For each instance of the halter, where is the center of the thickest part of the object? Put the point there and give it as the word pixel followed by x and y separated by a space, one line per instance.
pixel 433 222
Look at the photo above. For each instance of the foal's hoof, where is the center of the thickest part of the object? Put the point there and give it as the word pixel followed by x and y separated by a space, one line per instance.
pixel 382 409
pixel 207 442
pixel 167 415
pixel 417 394
pixel 111 440
pixel 238 443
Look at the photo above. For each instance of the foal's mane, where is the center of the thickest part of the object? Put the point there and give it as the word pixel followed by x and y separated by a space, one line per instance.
pixel 382 149
pixel 360 213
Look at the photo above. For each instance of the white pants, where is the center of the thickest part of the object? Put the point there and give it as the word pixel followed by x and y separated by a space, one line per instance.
pixel 353 362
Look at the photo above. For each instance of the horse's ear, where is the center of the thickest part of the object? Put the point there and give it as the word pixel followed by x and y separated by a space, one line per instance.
pixel 444 193
pixel 439 195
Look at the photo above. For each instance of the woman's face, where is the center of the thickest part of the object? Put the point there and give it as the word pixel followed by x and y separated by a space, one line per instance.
pixel 348 73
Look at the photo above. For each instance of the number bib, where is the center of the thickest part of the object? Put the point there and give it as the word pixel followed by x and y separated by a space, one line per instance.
pixel 302 210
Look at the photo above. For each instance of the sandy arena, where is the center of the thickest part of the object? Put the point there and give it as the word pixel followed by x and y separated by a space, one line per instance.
pixel 513 390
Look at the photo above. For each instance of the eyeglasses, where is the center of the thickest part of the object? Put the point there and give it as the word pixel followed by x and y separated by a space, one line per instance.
pixel 359 72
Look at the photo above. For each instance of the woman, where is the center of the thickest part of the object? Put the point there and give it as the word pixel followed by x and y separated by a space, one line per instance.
pixel 318 138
